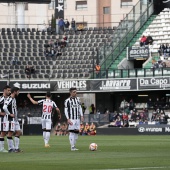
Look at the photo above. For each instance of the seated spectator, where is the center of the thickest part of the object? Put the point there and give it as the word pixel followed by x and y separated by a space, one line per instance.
pixel 81 128
pixel 116 123
pixel 80 27
pixel 162 49
pixel 143 40
pixel 64 129
pixel 58 129
pixel 32 69
pixel 28 71
pixel 14 60
pixel 92 129
pixel 149 40
pixel 52 52
pixel 47 52
pixel 86 129
pixel 167 51
pixel 65 40
pixel 125 117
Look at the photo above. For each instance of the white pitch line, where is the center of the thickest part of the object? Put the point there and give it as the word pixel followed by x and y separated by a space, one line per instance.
pixel 142 168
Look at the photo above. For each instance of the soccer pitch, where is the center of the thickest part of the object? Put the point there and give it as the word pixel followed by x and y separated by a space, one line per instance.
pixel 114 152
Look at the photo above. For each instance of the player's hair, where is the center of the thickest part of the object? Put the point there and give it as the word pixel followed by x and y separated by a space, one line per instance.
pixel 14 89
pixel 48 94
pixel 7 87
pixel 72 88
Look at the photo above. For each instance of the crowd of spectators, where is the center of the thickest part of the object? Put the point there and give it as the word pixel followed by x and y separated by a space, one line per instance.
pixel 87 129
pixel 61 129
pixel 55 48
pixel 128 113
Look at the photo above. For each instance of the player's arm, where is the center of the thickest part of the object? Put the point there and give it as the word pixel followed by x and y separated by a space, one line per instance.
pixel 5 108
pixel 59 113
pixel 81 112
pixel 66 113
pixel 31 99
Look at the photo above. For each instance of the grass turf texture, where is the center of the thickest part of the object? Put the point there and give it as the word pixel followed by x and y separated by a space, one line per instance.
pixel 114 152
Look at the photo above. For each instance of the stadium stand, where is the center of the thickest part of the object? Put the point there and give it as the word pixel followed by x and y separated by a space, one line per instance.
pixel 76 60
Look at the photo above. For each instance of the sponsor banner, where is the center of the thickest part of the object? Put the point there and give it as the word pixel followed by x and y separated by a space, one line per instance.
pixel 114 85
pixel 31 85
pixel 136 52
pixel 153 129
pixel 154 83
pixel 34 120
pixel 59 9
pixel 2 85
pixel 65 85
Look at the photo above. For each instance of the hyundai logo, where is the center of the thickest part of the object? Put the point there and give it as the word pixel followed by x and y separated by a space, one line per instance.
pixel 141 129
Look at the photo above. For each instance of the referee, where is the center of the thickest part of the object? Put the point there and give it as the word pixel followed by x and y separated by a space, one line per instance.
pixel 74 114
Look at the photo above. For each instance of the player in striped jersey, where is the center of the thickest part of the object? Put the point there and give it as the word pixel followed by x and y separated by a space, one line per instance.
pixel 48 105
pixel 6 93
pixel 74 114
pixel 10 121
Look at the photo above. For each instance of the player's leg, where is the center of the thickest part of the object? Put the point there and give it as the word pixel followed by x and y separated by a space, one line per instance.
pixel 76 131
pixel 17 137
pixel 2 135
pixel 10 142
pixel 44 131
pixel 48 131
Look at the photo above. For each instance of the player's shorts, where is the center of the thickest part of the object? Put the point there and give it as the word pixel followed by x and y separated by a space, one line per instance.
pixel 46 124
pixel 1 124
pixel 75 125
pixel 17 126
pixel 8 124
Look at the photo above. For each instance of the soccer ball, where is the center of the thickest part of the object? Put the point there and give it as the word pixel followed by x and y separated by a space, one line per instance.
pixel 93 147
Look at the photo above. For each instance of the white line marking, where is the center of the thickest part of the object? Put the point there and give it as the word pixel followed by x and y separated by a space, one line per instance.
pixel 165 167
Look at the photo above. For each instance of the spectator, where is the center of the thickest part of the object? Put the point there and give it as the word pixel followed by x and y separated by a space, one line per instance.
pixel 162 49
pixel 80 27
pixel 86 129
pixel 65 40
pixel 58 129
pixel 97 69
pixel 52 52
pixel 32 69
pixel 143 40
pixel 92 110
pixel 83 107
pixel 66 24
pixel 64 129
pixel 61 25
pixel 92 129
pixel 149 103
pixel 14 60
pixel 131 105
pixel 47 52
pixel 149 40
pixel 28 71
pixel 81 128
pixel 73 25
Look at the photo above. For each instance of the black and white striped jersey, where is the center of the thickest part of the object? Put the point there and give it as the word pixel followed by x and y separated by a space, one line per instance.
pixel 10 107
pixel 73 108
pixel 48 106
pixel 2 101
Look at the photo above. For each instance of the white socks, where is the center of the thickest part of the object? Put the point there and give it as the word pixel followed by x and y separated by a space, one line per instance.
pixel 46 136
pixel 10 143
pixel 72 139
pixel 1 143
pixel 16 139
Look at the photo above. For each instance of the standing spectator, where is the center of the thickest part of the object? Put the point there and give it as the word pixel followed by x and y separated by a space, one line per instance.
pixel 73 24
pixel 92 111
pixel 131 105
pixel 143 40
pixel 66 24
pixel 83 107
pixel 149 40
pixel 97 69
pixel 61 26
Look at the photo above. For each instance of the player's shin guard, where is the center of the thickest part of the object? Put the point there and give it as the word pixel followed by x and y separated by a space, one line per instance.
pixel 1 143
pixel 10 143
pixel 71 138
pixel 17 140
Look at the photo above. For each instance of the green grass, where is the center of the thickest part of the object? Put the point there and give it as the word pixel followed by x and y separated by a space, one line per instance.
pixel 114 152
